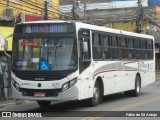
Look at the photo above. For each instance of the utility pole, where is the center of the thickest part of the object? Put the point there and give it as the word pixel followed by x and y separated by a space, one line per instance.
pixel 75 10
pixel 139 17
pixel 84 10
pixel 46 10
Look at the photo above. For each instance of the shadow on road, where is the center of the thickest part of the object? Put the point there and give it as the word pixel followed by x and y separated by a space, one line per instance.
pixel 81 105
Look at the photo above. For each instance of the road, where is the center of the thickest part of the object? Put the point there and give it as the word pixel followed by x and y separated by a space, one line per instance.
pixel 149 100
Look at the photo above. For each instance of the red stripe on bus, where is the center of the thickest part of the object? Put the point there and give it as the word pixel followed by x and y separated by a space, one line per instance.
pixel 130 62
pixel 116 70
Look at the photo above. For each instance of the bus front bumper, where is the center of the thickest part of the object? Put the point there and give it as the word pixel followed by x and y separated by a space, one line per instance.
pixel 67 95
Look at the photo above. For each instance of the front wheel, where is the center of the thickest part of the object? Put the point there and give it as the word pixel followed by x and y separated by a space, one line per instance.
pixel 95 100
pixel 44 103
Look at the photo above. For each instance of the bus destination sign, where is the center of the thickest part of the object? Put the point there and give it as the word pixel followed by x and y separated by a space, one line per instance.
pixel 46 28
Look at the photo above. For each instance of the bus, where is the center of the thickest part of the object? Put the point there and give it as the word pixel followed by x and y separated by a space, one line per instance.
pixel 71 60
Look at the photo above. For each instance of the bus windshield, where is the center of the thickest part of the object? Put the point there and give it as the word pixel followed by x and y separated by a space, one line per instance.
pixel 45 54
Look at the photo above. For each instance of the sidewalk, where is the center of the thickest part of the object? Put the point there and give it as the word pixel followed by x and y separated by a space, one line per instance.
pixel 158 75
pixel 11 102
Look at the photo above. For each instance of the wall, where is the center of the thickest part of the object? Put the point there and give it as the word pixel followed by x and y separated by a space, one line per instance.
pixel 5 31
pixel 106 4
pixel 128 26
pixel 33 7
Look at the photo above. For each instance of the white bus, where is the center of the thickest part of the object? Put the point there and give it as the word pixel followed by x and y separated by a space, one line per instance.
pixel 66 60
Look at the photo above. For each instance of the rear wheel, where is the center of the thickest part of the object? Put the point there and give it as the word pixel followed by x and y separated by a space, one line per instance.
pixel 44 103
pixel 137 89
pixel 95 100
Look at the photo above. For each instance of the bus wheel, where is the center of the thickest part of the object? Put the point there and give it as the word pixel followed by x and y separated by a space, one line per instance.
pixel 44 103
pixel 137 89
pixel 95 100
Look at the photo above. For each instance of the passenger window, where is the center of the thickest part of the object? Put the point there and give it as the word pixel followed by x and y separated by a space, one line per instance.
pixel 130 43
pixel 144 54
pixel 114 40
pixel 106 40
pixel 96 39
pixel 97 48
pixel 123 42
pixel 150 49
pixel 143 44
pixel 115 53
pixel 137 43
pixel 150 44
pixel 107 51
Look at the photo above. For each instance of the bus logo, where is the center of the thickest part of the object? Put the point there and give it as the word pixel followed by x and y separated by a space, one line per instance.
pixel 28 29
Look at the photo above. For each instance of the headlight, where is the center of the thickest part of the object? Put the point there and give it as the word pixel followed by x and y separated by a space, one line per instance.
pixel 69 84
pixel 72 82
pixel 65 86
pixel 15 84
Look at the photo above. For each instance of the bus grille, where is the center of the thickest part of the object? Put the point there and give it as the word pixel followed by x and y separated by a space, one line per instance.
pixel 42 75
pixel 48 92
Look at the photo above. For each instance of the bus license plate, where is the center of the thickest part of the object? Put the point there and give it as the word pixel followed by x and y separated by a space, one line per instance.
pixel 39 94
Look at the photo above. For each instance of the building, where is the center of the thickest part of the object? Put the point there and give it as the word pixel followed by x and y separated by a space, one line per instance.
pixel 119 14
pixel 155 29
pixel 13 11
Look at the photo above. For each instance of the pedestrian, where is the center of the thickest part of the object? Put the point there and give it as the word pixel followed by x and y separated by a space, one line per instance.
pixel 4 77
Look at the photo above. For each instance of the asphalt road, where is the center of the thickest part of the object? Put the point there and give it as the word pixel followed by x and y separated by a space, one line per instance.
pixel 146 106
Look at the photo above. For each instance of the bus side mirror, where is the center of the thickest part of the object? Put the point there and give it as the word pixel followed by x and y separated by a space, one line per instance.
pixel 85 47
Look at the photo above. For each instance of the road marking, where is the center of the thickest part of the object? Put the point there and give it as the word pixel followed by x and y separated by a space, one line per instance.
pixel 103 114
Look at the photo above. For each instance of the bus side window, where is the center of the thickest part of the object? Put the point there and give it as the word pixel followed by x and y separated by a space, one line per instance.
pixel 123 47
pixel 115 48
pixel 106 46
pixel 131 50
pixel 137 48
pixel 97 49
pixel 144 54
pixel 150 49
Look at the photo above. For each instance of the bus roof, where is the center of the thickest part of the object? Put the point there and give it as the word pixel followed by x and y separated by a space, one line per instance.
pixel 92 27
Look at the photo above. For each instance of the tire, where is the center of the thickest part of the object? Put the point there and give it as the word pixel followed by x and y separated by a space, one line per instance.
pixel 44 103
pixel 137 90
pixel 95 100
